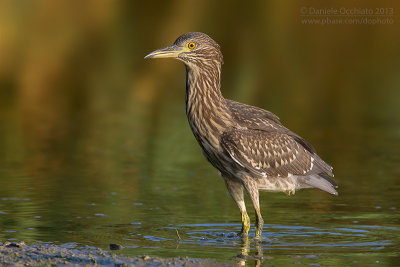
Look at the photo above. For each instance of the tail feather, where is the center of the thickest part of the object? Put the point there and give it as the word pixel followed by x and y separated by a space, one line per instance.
pixel 322 182
pixel 329 179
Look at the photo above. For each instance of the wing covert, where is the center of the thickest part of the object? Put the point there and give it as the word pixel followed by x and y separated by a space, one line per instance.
pixel 268 154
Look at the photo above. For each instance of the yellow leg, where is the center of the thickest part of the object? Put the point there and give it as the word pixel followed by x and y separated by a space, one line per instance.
pixel 236 190
pixel 245 224
pixel 259 224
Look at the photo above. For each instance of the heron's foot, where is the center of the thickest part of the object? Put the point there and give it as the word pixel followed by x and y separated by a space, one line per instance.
pixel 244 236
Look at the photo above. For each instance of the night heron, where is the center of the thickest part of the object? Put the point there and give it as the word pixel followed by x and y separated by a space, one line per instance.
pixel 248 145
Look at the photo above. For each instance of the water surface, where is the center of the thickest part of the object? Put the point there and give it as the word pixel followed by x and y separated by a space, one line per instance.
pixel 113 184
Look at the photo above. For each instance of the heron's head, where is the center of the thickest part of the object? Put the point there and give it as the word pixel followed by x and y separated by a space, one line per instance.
pixel 193 48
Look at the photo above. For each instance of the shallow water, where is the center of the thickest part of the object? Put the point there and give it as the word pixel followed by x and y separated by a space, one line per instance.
pixel 141 189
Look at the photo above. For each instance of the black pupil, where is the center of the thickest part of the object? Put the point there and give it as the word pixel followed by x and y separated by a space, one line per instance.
pixel 191 45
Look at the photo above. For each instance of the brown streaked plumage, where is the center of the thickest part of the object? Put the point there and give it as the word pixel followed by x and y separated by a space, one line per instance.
pixel 248 145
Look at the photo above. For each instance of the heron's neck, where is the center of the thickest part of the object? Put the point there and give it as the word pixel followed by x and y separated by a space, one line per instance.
pixel 206 108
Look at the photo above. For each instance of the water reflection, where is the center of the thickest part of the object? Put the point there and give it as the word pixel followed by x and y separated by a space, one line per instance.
pixel 244 257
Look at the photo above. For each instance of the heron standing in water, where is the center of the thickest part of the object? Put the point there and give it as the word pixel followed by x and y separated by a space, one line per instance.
pixel 248 145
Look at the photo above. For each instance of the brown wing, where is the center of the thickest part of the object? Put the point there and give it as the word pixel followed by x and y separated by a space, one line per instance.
pixel 269 154
pixel 259 119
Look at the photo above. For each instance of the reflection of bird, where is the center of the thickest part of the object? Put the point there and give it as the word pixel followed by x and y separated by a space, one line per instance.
pixel 248 145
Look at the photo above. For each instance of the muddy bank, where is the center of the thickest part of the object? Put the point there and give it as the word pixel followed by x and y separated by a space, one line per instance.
pixel 39 254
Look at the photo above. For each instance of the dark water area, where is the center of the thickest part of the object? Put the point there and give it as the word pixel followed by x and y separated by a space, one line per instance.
pixel 107 187
pixel 95 147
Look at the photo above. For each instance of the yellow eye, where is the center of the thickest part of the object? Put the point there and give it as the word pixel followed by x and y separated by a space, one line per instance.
pixel 191 45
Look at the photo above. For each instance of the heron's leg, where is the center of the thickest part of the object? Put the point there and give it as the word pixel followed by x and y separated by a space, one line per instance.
pixel 252 191
pixel 236 191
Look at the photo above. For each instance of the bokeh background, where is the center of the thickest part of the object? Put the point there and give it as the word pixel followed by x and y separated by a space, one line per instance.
pixel 92 135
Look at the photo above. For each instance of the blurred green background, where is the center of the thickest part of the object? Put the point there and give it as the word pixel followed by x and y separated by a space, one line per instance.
pixel 85 119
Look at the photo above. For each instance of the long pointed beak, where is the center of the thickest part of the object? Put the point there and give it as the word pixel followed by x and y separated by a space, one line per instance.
pixel 170 51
